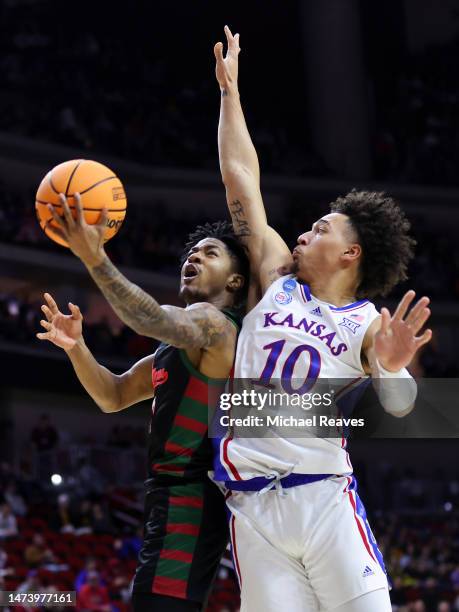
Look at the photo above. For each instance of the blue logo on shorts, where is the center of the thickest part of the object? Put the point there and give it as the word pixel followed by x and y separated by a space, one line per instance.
pixel 283 298
pixel 289 285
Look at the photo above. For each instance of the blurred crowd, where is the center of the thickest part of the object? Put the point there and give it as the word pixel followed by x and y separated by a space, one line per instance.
pixel 20 322
pixel 149 244
pixel 418 120
pixel 421 554
pixel 73 84
pixel 52 540
pixel 154 236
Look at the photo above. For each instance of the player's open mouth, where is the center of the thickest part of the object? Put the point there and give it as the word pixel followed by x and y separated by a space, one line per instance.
pixel 190 272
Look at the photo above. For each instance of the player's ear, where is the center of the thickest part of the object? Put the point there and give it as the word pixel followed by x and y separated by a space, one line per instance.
pixel 351 253
pixel 235 283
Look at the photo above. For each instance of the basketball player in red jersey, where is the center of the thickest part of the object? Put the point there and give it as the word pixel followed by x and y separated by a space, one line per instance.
pixel 185 522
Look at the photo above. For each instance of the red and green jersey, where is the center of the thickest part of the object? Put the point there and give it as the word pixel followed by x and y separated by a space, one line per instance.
pixel 185 520
pixel 179 447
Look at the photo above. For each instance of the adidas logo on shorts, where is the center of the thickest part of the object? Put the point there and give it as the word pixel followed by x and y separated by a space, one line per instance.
pixel 367 572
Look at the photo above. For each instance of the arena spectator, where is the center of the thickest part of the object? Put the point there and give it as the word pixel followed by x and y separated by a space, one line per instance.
pixel 101 522
pixel 90 481
pixel 14 499
pixel 32 584
pixel 5 569
pixel 93 597
pixel 129 546
pixel 44 435
pixel 118 580
pixel 62 517
pixel 81 579
pixel 83 517
pixel 8 523
pixel 37 554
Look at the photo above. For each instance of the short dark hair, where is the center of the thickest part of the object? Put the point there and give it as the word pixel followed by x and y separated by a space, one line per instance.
pixel 224 231
pixel 382 231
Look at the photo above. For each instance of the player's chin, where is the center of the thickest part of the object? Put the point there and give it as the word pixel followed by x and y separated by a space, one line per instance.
pixel 192 293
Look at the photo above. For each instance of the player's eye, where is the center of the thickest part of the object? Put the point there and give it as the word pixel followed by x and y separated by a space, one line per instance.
pixel 212 253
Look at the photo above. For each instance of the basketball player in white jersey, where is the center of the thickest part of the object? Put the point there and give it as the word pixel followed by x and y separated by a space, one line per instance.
pixel 301 541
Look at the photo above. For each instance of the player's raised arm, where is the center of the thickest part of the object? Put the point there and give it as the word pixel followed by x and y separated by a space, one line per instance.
pixel 200 326
pixel 241 173
pixel 389 346
pixel 111 392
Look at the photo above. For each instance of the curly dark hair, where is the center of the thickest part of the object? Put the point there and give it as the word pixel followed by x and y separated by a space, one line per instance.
pixel 382 231
pixel 224 231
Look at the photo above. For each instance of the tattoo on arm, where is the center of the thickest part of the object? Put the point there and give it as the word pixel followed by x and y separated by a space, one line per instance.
pixel 199 327
pixel 241 225
pixel 272 275
pixel 224 93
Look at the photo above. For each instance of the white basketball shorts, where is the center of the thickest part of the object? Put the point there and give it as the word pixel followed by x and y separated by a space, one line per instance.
pixel 304 549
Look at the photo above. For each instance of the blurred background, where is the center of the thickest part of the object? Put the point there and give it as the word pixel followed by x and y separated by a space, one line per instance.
pixel 337 94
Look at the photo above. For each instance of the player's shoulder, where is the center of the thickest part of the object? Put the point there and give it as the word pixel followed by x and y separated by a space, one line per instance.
pixel 208 316
pixel 205 309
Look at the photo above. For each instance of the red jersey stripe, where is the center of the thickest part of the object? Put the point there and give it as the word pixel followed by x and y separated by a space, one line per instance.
pixel 183 528
pixel 177 449
pixel 197 390
pixel 176 555
pixel 169 586
pixel 167 467
pixel 192 424
pixel 189 502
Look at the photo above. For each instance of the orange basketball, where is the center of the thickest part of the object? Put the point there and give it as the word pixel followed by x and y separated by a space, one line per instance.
pixel 98 187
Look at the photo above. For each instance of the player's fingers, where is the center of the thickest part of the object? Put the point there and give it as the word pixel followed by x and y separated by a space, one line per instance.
pixel 236 38
pixel 67 214
pixel 47 312
pixel 46 324
pixel 102 222
pixel 218 51
pixel 61 233
pixel 43 336
pixel 414 313
pixel 385 320
pixel 426 337
pixel 229 35
pixel 420 321
pixel 404 304
pixel 79 209
pixel 57 217
pixel 75 310
pixel 51 303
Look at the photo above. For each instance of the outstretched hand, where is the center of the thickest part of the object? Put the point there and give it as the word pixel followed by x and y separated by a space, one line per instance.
pixel 226 68
pixel 396 342
pixel 62 330
pixel 85 241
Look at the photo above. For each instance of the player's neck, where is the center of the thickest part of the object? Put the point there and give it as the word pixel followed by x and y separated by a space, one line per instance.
pixel 338 290
pixel 220 301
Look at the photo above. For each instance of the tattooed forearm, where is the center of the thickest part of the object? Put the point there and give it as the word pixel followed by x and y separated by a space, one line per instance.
pixel 134 307
pixel 240 224
pixel 197 328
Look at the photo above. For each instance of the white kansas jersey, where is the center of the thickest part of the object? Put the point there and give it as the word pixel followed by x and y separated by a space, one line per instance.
pixel 292 341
